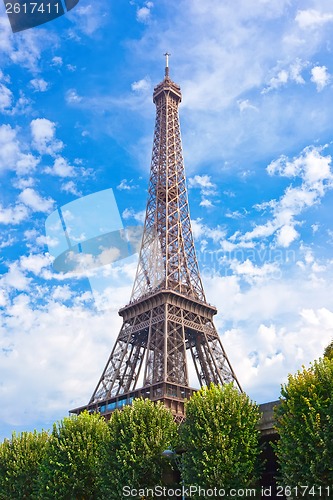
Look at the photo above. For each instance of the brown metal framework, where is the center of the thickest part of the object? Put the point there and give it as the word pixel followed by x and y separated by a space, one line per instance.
pixel 168 315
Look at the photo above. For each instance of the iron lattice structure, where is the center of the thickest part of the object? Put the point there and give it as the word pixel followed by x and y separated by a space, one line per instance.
pixel 167 321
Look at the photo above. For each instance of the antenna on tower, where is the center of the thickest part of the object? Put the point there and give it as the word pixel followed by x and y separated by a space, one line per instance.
pixel 167 63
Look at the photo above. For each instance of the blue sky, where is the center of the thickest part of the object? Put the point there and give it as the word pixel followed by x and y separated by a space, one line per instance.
pixel 76 118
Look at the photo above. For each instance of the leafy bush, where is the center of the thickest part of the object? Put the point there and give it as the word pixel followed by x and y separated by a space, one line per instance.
pixel 20 457
pixel 305 426
pixel 221 439
pixel 138 435
pixel 74 460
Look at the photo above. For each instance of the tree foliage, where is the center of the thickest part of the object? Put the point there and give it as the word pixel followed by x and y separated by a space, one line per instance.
pixel 74 459
pixel 328 352
pixel 138 435
pixel 20 457
pixel 305 426
pixel 221 439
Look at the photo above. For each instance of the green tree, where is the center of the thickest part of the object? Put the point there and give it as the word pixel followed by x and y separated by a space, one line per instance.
pixel 328 352
pixel 305 426
pixel 19 461
pixel 74 459
pixel 139 435
pixel 221 439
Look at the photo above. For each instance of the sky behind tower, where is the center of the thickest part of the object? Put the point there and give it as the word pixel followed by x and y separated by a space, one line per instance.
pixel 77 118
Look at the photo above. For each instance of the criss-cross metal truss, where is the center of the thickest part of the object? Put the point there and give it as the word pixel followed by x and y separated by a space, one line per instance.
pixel 167 257
pixel 167 321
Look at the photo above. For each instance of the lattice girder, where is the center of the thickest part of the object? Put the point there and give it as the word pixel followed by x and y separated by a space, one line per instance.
pixel 167 316
pixel 167 257
pixel 157 344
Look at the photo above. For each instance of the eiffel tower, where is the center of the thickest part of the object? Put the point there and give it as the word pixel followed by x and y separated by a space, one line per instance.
pixel 167 323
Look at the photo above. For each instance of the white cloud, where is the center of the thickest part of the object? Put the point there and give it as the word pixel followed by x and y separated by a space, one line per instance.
pixel 46 240
pixel 47 331
pixel 72 97
pixel 286 235
pixel 57 61
pixel 22 183
pixel 203 182
pixel 15 278
pixel 71 67
pixel 4 77
pixel 320 77
pixel 43 135
pixel 141 85
pixel 312 18
pixel 6 242
pixel 251 272
pixel 33 200
pixel 62 293
pixel 295 70
pixel 13 215
pixel 39 85
pixel 143 14
pixel 70 187
pixel 126 185
pixel 201 230
pixel 9 149
pixel 26 163
pixel 206 203
pixel 236 214
pixel 272 327
pixel 281 78
pixel 293 73
pixel 11 156
pixel 25 49
pixel 123 185
pixel 36 241
pixel 207 189
pixel 22 106
pixel 314 169
pixel 6 98
pixel 38 359
pixel 34 263
pixel 129 213
pixel 61 168
pixel 88 19
pixel 245 104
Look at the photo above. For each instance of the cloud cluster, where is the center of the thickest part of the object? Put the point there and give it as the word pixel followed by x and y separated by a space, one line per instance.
pixel 313 169
pixel 312 18
pixel 293 73
pixel 126 185
pixel 207 189
pixel 30 198
pixel 49 349
pixel 39 84
pixel 25 158
pixel 262 58
pixel 25 49
pixel 11 155
pixel 320 77
pixel 143 14
pixel 277 324
pixel 46 338
pixel 43 137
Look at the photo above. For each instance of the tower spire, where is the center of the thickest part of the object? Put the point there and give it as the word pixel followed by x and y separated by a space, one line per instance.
pixel 167 317
pixel 167 64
